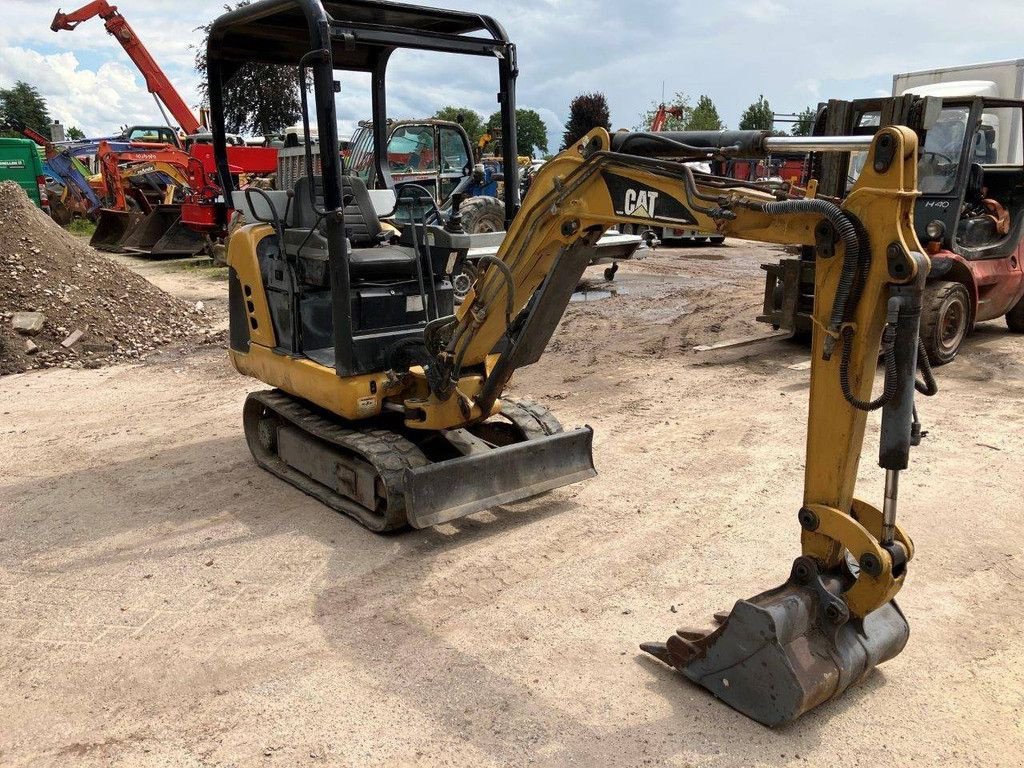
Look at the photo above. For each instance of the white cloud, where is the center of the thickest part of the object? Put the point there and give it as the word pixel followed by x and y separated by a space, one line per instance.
pixel 795 52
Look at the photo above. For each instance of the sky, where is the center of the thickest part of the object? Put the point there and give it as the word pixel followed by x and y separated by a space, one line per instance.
pixel 794 52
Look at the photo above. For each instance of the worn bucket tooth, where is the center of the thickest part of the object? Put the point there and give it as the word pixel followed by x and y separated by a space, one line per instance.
pixel 721 617
pixel 689 633
pixel 779 655
pixel 658 651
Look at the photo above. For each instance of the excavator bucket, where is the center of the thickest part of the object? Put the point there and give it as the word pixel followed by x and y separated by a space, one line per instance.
pixel 161 233
pixel 112 227
pixel 785 651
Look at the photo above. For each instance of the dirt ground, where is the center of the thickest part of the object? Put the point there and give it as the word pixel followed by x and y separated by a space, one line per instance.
pixel 166 603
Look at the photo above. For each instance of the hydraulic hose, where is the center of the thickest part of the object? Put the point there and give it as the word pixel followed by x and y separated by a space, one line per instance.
pixel 847 231
pixel 891 371
pixel 928 387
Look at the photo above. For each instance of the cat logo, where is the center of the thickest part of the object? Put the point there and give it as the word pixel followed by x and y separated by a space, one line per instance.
pixel 640 203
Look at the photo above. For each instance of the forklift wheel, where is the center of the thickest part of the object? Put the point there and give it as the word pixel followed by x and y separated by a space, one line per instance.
pixel 945 320
pixel 1015 318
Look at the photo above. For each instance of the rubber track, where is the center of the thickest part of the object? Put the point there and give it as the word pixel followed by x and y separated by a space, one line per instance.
pixel 532 418
pixel 389 453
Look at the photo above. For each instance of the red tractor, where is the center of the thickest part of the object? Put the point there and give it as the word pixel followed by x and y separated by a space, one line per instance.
pixel 970 215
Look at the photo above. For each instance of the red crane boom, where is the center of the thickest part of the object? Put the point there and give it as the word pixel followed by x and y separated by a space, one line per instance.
pixel 156 81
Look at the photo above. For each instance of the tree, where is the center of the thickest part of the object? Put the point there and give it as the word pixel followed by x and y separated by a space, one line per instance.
pixel 261 98
pixel 680 105
pixel 469 119
pixel 74 133
pixel 531 133
pixel 758 116
pixel 586 112
pixel 22 102
pixel 705 117
pixel 805 122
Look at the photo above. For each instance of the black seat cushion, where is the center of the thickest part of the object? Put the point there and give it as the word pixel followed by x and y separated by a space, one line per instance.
pixel 387 262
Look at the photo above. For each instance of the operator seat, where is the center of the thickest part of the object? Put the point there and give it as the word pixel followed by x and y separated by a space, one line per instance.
pixel 370 257
pixel 983 221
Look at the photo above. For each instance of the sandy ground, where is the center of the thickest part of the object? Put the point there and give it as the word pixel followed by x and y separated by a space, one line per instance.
pixel 166 603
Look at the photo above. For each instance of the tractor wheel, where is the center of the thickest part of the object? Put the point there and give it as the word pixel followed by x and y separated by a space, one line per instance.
pixel 482 214
pixel 945 320
pixel 1015 317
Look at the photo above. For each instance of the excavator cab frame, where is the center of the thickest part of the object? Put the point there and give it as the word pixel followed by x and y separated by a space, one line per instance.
pixel 320 39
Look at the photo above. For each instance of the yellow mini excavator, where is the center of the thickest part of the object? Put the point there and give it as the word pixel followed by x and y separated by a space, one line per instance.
pixel 387 401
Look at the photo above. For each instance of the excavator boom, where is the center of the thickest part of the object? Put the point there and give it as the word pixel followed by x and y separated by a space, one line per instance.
pixel 787 650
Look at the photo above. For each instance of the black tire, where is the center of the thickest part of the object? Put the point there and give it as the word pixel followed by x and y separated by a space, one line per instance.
pixel 717 239
pixel 945 320
pixel 1015 318
pixel 482 214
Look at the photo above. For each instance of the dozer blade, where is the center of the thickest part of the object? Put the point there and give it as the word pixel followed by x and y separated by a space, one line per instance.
pixel 112 227
pixel 161 233
pixel 785 651
pixel 455 488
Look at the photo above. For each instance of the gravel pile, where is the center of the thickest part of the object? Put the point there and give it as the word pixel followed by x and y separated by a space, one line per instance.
pixel 62 304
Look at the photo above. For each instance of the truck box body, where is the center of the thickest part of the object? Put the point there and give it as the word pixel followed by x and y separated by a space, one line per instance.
pixel 998 79
pixel 995 80
pixel 20 163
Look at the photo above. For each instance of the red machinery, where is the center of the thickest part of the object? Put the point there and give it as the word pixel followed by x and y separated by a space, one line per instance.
pixel 158 227
pixel 156 80
pixel 248 160
pixel 662 115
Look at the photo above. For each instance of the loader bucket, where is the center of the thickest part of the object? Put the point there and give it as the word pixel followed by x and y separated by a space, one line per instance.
pixel 161 233
pixel 785 651
pixel 112 227
pixel 451 489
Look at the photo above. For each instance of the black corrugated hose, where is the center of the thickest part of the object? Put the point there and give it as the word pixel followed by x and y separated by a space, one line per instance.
pixel 847 232
pixel 891 372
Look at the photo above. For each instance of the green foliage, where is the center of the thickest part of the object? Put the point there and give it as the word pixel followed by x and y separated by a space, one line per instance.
pixel 586 112
pixel 82 227
pixel 683 117
pixel 261 98
pixel 680 104
pixel 531 133
pixel 705 116
pixel 758 116
pixel 22 102
pixel 470 119
pixel 74 133
pixel 804 122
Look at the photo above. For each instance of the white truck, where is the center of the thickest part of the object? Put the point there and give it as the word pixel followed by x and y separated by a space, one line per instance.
pixel 993 80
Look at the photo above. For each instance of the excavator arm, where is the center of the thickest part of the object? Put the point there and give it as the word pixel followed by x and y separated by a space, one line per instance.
pixel 834 620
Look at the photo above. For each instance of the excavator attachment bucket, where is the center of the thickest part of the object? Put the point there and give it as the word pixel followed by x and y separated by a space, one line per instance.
pixel 161 233
pixel 785 651
pixel 112 227
pixel 451 489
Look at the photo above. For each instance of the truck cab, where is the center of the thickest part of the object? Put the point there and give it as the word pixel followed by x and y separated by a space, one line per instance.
pixel 21 163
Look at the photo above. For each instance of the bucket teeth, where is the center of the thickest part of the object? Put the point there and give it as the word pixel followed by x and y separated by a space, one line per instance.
pixel 781 654
pixel 658 651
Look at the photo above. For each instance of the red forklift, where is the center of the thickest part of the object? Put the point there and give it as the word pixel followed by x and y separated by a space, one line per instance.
pixel 970 215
